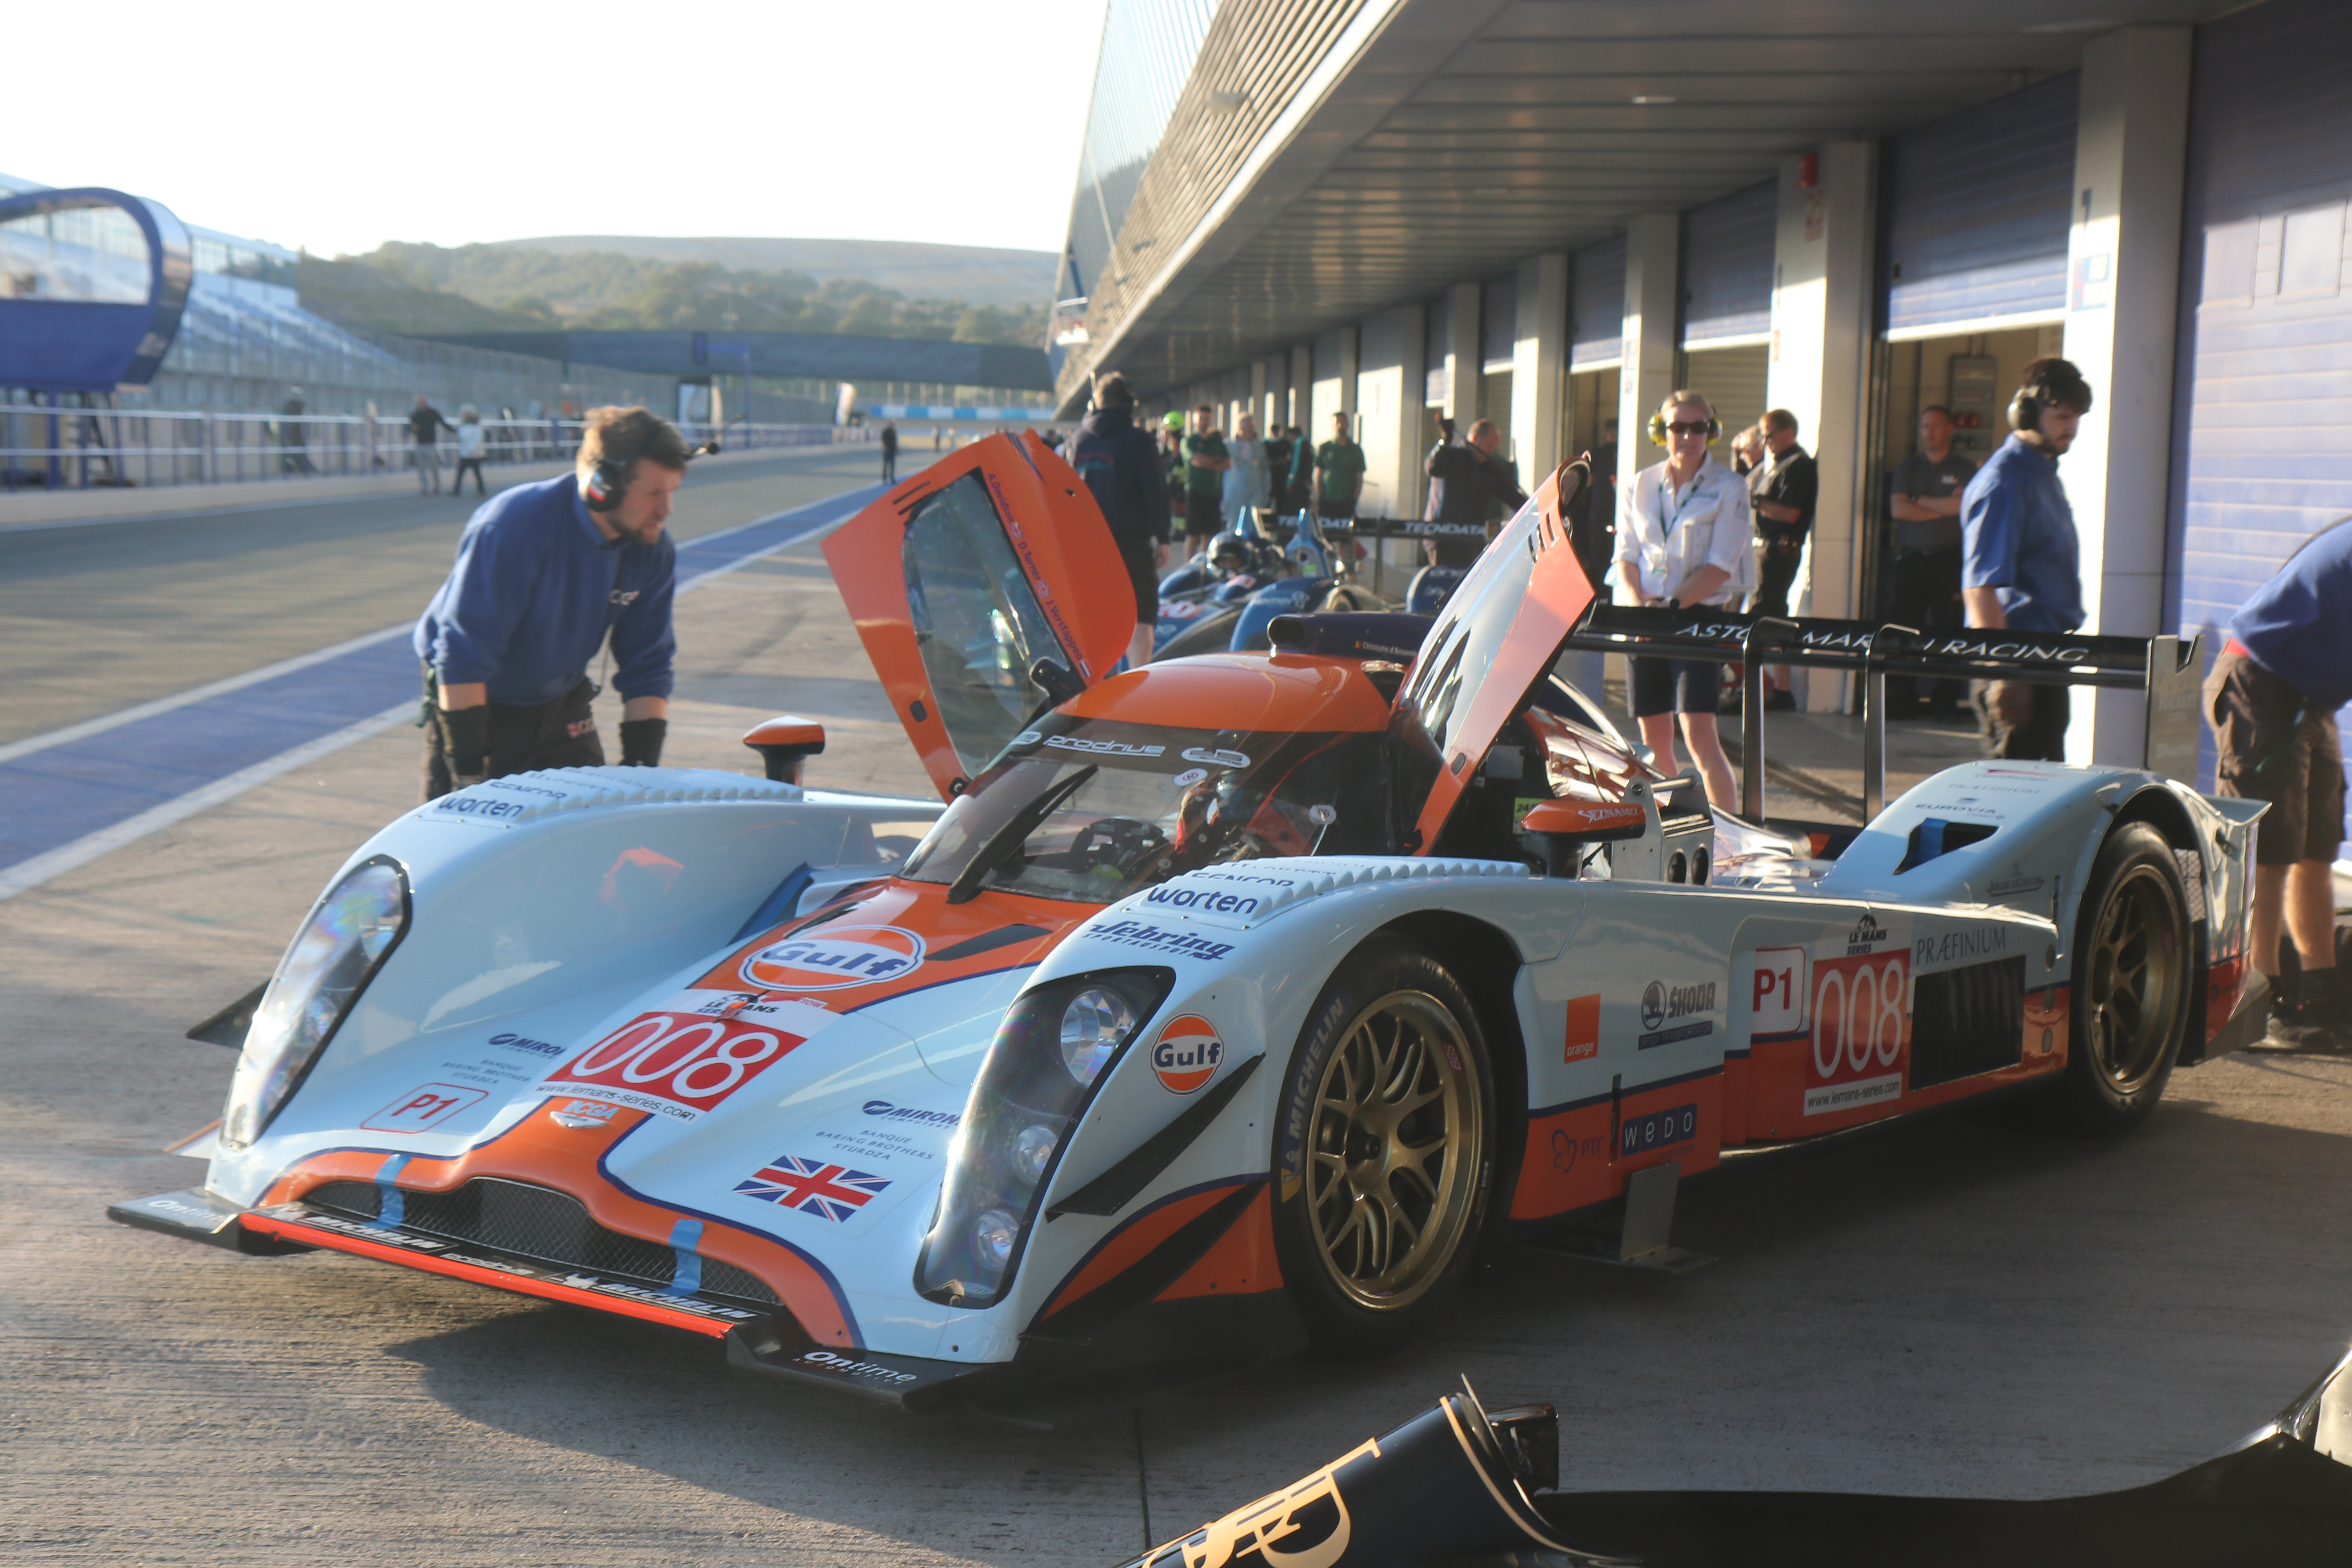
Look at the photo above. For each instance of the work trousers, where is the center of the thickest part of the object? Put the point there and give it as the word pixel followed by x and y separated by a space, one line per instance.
pixel 558 735
pixel 1926 596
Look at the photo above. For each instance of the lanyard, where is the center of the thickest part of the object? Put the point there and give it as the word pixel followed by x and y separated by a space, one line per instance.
pixel 1666 525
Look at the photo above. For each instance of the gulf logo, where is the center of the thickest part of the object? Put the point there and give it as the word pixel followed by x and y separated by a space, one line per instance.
pixel 1186 1054
pixel 834 958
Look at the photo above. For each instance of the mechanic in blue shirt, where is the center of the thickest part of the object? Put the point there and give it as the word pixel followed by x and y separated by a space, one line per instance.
pixel 546 573
pixel 2271 698
pixel 2020 562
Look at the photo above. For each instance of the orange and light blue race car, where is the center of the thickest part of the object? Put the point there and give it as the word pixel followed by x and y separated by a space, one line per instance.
pixel 1229 1005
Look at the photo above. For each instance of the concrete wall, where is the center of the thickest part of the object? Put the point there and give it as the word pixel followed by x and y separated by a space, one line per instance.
pixel 1390 348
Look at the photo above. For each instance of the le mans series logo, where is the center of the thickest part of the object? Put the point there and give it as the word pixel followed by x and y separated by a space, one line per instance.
pixel 834 958
pixel 1187 1054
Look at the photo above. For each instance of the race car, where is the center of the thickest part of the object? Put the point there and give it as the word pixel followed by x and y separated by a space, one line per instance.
pixel 1231 1005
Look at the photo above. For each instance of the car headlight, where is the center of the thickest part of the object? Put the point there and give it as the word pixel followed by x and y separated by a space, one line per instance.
pixel 338 950
pixel 1056 1044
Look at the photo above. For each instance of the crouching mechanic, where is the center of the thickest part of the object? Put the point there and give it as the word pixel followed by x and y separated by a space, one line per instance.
pixel 546 573
pixel 2271 698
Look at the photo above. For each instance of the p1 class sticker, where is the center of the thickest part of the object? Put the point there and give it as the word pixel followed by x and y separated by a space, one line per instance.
pixel 834 958
pixel 1187 1054
pixel 428 1105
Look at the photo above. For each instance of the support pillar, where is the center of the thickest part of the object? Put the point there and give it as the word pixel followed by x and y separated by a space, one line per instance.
pixel 1277 391
pixel 1653 290
pixel 1302 391
pixel 1540 366
pixel 1820 371
pixel 1389 379
pixel 2123 284
pixel 1462 350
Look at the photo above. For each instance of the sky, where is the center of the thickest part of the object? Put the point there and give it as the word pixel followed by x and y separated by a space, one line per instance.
pixel 337 127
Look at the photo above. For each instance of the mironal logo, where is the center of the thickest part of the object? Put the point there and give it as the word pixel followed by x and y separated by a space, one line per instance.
pixel 836 958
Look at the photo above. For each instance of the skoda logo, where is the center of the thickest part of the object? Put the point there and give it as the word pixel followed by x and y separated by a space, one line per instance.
pixel 1653 1006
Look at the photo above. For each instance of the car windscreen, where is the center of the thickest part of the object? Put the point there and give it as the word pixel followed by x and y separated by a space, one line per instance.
pixel 1153 803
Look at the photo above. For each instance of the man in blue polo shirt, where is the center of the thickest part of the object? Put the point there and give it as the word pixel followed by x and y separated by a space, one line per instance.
pixel 546 573
pixel 2271 698
pixel 2020 562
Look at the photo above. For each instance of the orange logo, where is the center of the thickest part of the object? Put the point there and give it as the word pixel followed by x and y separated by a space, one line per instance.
pixel 1186 1054
pixel 833 958
pixel 1583 1028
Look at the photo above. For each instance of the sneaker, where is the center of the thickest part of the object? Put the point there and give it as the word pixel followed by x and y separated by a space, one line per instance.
pixel 2295 1026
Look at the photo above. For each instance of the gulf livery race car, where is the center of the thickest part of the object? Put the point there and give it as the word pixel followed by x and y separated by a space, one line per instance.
pixel 1230 1006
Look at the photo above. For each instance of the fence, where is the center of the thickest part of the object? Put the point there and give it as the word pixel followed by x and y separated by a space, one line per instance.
pixel 44 447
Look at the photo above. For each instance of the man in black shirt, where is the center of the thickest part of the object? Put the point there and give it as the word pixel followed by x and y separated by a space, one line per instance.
pixel 1924 504
pixel 1784 490
pixel 889 451
pixel 1121 467
pixel 1470 485
pixel 425 427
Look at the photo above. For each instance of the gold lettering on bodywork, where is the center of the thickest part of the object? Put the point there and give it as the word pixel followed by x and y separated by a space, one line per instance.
pixel 1273 1519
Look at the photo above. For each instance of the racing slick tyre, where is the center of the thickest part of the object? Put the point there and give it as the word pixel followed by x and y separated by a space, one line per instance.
pixel 1382 1154
pixel 2131 988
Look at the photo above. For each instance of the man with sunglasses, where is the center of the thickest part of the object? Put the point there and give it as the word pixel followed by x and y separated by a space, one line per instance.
pixel 1682 530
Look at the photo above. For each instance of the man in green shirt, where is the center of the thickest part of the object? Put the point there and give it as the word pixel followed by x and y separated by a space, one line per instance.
pixel 1205 462
pixel 1339 472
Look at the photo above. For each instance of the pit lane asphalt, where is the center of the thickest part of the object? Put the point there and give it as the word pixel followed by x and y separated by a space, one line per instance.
pixel 1956 1308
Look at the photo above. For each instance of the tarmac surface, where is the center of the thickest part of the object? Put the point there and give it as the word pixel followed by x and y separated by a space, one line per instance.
pixel 1957 1308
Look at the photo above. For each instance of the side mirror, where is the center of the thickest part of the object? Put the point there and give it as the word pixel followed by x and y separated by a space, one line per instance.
pixel 784 742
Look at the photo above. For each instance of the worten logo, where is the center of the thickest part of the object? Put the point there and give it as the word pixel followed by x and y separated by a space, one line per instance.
pixel 1187 1054
pixel 836 958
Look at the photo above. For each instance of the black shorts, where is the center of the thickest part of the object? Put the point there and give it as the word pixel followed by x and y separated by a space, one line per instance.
pixel 1203 515
pixel 1674 686
pixel 2271 745
pixel 1776 574
pixel 1143 571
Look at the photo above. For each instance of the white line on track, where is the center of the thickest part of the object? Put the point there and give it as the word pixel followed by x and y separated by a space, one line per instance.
pixel 27 875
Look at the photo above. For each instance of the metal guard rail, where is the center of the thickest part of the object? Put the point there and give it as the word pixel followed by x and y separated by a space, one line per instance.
pixel 2168 668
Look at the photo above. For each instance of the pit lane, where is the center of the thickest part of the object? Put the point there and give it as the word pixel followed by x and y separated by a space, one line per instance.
pixel 1955 1308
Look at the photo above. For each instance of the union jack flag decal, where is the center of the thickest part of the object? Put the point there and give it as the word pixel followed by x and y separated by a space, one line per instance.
pixel 813 1186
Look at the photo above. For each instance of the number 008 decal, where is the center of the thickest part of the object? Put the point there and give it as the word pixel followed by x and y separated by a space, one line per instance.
pixel 1862 1029
pixel 674 1064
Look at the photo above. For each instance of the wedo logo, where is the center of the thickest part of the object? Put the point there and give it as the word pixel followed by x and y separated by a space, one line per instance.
pixel 1187 1054
pixel 841 957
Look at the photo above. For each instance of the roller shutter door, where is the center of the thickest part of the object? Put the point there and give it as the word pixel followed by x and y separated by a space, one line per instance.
pixel 1727 249
pixel 1596 327
pixel 1977 208
pixel 2262 429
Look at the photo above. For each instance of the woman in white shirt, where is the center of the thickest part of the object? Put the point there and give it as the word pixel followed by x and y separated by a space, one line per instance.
pixel 470 448
pixel 1246 481
pixel 1683 533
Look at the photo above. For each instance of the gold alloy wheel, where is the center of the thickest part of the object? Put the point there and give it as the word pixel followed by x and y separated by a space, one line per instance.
pixel 2138 978
pixel 1397 1143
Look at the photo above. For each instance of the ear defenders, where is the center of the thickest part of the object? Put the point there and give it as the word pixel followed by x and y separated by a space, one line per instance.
pixel 2059 384
pixel 1658 428
pixel 608 486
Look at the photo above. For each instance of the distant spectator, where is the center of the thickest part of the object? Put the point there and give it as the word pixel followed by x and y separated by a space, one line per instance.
pixel 1246 481
pixel 1339 473
pixel 1784 491
pixel 1278 451
pixel 1747 450
pixel 1925 505
pixel 293 435
pixel 889 451
pixel 470 452
pixel 1470 485
pixel 2021 560
pixel 1604 457
pixel 1205 462
pixel 1121 467
pixel 425 427
pixel 939 439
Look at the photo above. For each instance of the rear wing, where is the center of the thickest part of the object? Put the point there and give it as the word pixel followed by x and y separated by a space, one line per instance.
pixel 2168 668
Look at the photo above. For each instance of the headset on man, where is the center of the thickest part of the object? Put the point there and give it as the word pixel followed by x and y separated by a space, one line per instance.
pixel 608 484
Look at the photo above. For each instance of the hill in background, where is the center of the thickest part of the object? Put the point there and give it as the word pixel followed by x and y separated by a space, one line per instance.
pixel 979 275
pixel 510 287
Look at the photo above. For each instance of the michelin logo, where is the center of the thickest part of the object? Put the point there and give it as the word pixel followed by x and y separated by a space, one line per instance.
pixel 1157 939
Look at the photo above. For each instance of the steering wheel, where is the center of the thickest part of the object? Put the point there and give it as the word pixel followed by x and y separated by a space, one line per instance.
pixel 1117 841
